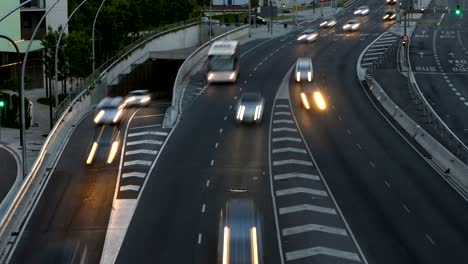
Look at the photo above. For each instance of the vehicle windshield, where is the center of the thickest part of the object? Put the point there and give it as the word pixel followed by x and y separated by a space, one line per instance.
pixel 221 63
pixel 303 66
pixel 250 98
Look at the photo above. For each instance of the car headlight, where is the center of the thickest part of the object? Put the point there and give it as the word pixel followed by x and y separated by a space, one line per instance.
pixel 332 23
pixel 309 76
pixel 258 110
pixel 231 77
pixel 320 101
pixel 346 26
pixel 130 99
pixel 240 112
pixel 145 99
pixel 304 101
pixel 323 23
pixel 210 76
pixel 385 17
pixel 393 16
pixel 298 76
pixel 357 12
pixel 312 36
pixel 301 37
pixel 98 117
pixel 117 116
pixel 355 26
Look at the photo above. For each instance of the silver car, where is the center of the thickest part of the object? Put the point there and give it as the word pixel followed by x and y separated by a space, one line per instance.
pixel 328 22
pixel 239 233
pixel 250 108
pixel 304 70
pixel 308 35
pixel 138 98
pixel 362 11
pixel 109 111
pixel 352 25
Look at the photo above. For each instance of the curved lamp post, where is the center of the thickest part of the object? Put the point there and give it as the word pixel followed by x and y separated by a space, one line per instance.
pixel 14 9
pixel 23 70
pixel 19 90
pixel 57 48
pixel 92 37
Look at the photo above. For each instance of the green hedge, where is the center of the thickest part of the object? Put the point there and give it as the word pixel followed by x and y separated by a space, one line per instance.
pixel 10 112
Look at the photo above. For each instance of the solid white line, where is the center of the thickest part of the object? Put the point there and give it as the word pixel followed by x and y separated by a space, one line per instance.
pixel 199 238
pixel 313 227
pixel 308 252
pixel 134 174
pixel 283 113
pixel 137 162
pixel 135 188
pixel 284 129
pixel 147 116
pixel 141 151
pixel 283 121
pixel 286 139
pixel 300 190
pixel 154 133
pixel 441 17
pixel 307 207
pixel 291 175
pixel 146 141
pixel 203 208
pixel 140 127
pixel 281 150
pixel 292 161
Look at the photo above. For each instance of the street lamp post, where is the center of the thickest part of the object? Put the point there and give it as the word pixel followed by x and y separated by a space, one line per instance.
pixel 21 93
pixel 23 71
pixel 92 38
pixel 56 52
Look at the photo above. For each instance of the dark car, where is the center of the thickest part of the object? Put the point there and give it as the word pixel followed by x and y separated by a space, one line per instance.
pixel 258 19
pixel 239 233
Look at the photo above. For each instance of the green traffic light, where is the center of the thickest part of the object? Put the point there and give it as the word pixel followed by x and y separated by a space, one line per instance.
pixel 2 104
pixel 458 11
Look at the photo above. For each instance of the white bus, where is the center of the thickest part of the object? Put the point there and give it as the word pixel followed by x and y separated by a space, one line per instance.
pixel 223 62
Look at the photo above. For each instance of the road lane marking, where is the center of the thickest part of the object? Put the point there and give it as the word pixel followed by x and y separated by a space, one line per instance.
pixel 207 183
pixel 220 130
pixel 144 116
pixel 203 208
pixel 283 121
pixel 134 174
pixel 348 131
pixel 141 151
pixel 137 162
pixel 199 238
pixel 370 58
pixel 292 161
pixel 430 239
pixel 313 227
pixel 212 162
pixel 286 176
pixel 279 129
pixel 135 188
pixel 307 207
pixel 154 133
pixel 286 139
pixel 225 118
pixel 339 117
pixel 300 190
pixel 216 145
pixel 441 17
pixel 359 146
pixel 374 53
pixel 146 141
pixel 282 105
pixel 406 208
pixel 388 184
pixel 281 150
pixel 230 107
pixel 283 113
pixel 141 127
pixel 309 252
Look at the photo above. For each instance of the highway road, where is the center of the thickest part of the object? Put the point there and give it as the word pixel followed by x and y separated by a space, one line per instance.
pixel 439 58
pixel 9 167
pixel 70 220
pixel 395 205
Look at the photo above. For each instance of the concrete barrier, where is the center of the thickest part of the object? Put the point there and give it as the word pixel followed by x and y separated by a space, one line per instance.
pixel 191 66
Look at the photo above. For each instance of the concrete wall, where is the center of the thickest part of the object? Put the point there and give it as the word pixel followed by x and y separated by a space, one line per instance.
pixel 58 16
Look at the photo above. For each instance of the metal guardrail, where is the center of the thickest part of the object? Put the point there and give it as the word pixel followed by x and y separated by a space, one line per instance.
pixel 90 81
pixel 452 142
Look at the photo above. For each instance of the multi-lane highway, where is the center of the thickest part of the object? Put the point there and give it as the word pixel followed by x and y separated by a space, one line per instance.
pixel 439 58
pixel 339 186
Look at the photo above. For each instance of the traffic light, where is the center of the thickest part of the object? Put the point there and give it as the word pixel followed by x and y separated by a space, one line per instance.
pixel 458 10
pixel 404 40
pixel 2 103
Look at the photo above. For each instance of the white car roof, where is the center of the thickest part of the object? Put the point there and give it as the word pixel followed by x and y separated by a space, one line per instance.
pixel 110 102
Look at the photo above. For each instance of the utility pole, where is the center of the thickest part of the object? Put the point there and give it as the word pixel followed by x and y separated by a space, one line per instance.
pixel 210 30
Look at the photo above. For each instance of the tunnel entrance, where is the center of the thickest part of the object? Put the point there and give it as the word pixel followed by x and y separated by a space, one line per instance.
pixel 154 75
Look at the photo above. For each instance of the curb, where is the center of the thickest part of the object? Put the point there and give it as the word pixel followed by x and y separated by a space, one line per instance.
pixel 14 188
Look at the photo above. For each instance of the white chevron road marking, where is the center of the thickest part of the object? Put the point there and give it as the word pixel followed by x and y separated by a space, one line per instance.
pixel 307 207
pixel 300 190
pixel 309 252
